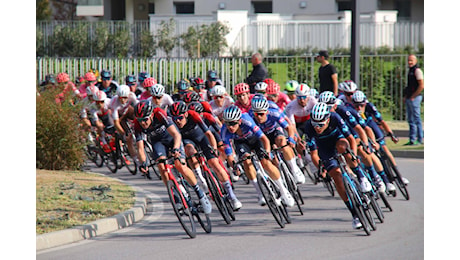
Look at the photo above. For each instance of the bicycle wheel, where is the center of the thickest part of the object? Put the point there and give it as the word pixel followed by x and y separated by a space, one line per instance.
pixel 291 185
pixel 149 156
pixel 398 179
pixel 385 201
pixel 328 184
pixel 110 160
pixel 95 155
pixel 282 208
pixel 365 203
pixel 196 208
pixel 217 198
pixel 352 195
pixel 127 160
pixel 181 209
pixel 376 207
pixel 270 200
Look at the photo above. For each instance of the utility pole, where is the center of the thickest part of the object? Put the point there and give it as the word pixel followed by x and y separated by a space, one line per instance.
pixel 355 41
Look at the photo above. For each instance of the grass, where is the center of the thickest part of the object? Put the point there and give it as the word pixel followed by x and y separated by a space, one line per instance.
pixel 400 145
pixel 66 199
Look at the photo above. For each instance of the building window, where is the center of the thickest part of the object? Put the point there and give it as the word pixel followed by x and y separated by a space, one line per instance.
pixel 184 7
pixel 403 8
pixel 343 6
pixel 151 8
pixel 262 7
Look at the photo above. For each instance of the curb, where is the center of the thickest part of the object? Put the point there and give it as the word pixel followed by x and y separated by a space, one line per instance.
pixel 408 154
pixel 95 228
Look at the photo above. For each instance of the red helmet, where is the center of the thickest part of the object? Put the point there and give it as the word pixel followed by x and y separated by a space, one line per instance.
pixel 62 77
pixel 149 82
pixel 269 81
pixel 143 109
pixel 191 96
pixel 196 106
pixel 240 88
pixel 197 82
pixel 178 108
pixel 89 76
pixel 273 88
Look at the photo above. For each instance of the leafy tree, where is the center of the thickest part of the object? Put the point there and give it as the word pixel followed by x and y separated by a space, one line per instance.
pixel 101 41
pixel 121 43
pixel 212 39
pixel 147 44
pixel 166 40
pixel 42 10
pixel 190 41
pixel 68 41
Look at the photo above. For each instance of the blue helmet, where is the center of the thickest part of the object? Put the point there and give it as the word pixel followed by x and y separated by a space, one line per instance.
pixel 232 113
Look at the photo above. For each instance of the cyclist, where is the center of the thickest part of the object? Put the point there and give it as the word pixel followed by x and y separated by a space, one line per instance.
pixel 290 88
pixel 357 125
pixel 153 125
pixel 87 106
pixel 261 88
pixel 48 83
pixel 195 132
pixel 102 116
pixel 220 101
pixel 108 85
pixel 328 135
pixel 131 82
pixel 346 90
pixel 66 85
pixel 374 120
pixel 241 91
pixel 198 86
pixel 274 94
pixel 122 111
pixel 159 97
pixel 272 123
pixel 182 88
pixel 90 80
pixel 140 79
pixel 212 80
pixel 192 96
pixel 147 84
pixel 247 136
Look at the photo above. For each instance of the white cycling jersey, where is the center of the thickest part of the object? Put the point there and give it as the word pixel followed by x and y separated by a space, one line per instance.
pixel 119 109
pixel 87 107
pixel 98 113
pixel 298 114
pixel 218 111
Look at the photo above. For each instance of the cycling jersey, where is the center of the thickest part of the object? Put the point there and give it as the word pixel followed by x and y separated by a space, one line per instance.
pixel 346 114
pixel 216 110
pixel 87 107
pixel 119 109
pixel 105 115
pixel 82 90
pixel 166 101
pixel 111 90
pixel 251 133
pixel 157 129
pixel 373 118
pixel 274 121
pixel 298 114
pixel 245 108
pixel 283 100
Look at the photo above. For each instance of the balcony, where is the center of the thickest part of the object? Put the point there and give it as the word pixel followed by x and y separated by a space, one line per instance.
pixel 90 8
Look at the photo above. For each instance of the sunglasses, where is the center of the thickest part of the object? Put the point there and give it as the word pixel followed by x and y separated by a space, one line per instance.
pixel 131 83
pixel 105 79
pixel 301 97
pixel 180 117
pixel 260 113
pixel 218 97
pixel 349 94
pixel 360 105
pixel 319 124
pixel 158 97
pixel 232 123
pixel 142 119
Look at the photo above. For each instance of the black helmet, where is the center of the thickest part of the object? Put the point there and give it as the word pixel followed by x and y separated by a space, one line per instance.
pixel 191 96
pixel 196 106
pixel 106 74
pixel 183 85
pixel 143 109
pixel 178 108
pixel 142 76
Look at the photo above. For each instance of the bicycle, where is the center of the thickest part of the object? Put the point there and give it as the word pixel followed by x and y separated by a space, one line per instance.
pixel 185 208
pixel 288 177
pixel 92 149
pixel 270 191
pixel 355 196
pixel 217 192
pixel 122 153
pixel 327 181
pixel 305 166
pixel 392 172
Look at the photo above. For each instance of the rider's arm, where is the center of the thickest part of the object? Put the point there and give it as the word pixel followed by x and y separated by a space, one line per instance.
pixel 172 130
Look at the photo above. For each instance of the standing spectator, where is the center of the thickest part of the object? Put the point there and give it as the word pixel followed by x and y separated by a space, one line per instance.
pixel 258 74
pixel 327 74
pixel 107 85
pixel 413 99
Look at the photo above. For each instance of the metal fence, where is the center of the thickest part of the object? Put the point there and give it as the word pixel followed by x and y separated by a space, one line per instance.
pixel 264 36
pixel 382 77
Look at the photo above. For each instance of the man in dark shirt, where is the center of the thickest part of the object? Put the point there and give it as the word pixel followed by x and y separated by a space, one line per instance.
pixel 327 74
pixel 258 74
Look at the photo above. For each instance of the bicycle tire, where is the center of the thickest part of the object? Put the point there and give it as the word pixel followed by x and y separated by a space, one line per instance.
pixel 282 208
pixel 96 156
pixel 110 160
pixel 385 201
pixel 217 198
pixel 327 182
pixel 229 206
pixel 183 213
pixel 270 200
pixel 355 204
pixel 152 164
pixel 367 209
pixel 196 209
pixel 306 171
pixel 376 207
pixel 398 180
pixel 291 185
pixel 131 165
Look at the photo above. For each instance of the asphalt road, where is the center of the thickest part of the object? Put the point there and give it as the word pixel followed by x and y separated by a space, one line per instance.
pixel 323 232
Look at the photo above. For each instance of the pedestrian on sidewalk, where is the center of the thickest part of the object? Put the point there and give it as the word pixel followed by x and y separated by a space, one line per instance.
pixel 413 98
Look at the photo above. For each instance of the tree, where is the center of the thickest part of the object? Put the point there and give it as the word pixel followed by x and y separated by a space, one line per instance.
pixel 212 39
pixel 166 40
pixel 42 10
pixel 147 44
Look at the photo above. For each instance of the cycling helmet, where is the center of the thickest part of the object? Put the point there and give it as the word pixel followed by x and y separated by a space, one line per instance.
pixel 182 85
pixel 143 109
pixel 273 89
pixel 196 106
pixel 240 88
pixel 143 76
pixel 341 86
pixel 212 75
pixel 197 82
pixel 219 90
pixel 302 90
pixel 349 86
pixel 99 96
pixel 106 74
pixel 259 104
pixel 314 93
pixel 232 113
pixel 62 77
pixel 261 86
pixel 269 81
pixel 291 85
pixel 327 97
pixel 130 79
pixel 178 108
pixel 359 97
pixel 91 91
pixel 50 79
pixel 157 90
pixel 123 91
pixel 89 76
pixel 320 112
pixel 149 82
pixel 191 96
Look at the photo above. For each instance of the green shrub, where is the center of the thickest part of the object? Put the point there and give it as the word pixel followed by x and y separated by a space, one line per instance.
pixel 59 142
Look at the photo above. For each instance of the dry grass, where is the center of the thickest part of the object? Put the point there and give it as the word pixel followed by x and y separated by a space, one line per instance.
pixel 65 199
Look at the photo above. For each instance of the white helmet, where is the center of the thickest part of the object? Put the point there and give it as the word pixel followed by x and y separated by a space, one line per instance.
pixel 261 86
pixel 123 91
pixel 91 90
pixel 349 86
pixel 259 104
pixel 100 96
pixel 232 113
pixel 219 90
pixel 359 97
pixel 302 90
pixel 320 112
pixel 157 90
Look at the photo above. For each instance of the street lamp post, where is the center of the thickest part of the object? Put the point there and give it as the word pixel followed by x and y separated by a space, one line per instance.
pixel 355 41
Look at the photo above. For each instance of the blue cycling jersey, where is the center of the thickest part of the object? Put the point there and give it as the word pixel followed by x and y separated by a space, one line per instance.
pixel 373 118
pixel 275 119
pixel 249 129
